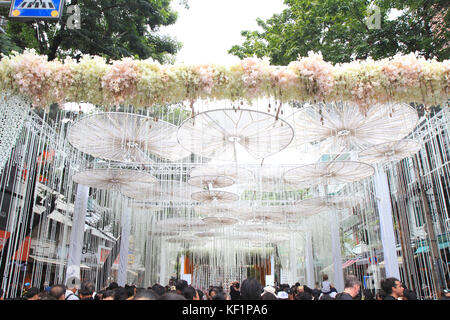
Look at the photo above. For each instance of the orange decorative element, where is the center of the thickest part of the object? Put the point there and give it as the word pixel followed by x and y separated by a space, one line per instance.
pixel 16 13
pixel 23 251
pixel 46 156
pixel 55 13
pixel 188 266
pixel 4 235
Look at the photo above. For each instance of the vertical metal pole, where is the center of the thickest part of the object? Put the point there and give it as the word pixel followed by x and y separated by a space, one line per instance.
pixel 309 261
pixel 123 260
pixel 383 199
pixel 76 235
pixel 434 250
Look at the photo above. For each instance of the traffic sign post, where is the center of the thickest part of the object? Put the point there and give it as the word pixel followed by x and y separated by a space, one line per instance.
pixel 36 9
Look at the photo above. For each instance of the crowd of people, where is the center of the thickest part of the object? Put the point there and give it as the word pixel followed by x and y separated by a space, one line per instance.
pixel 249 289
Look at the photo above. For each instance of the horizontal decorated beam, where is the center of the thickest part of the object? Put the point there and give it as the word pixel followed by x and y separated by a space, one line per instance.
pixel 143 83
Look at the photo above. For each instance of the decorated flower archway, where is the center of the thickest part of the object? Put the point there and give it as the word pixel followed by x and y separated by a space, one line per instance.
pixel 144 83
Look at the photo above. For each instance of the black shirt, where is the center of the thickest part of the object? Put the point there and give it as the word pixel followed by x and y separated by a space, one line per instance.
pixel 343 296
pixel 389 298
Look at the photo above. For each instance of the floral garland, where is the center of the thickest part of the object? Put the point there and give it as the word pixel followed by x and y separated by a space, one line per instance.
pixel 143 83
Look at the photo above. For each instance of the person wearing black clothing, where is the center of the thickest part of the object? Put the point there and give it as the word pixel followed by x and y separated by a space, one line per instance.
pixel 393 288
pixel 235 294
pixel 351 288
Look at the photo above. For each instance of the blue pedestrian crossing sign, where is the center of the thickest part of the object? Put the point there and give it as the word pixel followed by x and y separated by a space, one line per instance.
pixel 36 9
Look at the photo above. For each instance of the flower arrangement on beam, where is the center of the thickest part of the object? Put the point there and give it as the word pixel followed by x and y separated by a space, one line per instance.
pixel 143 83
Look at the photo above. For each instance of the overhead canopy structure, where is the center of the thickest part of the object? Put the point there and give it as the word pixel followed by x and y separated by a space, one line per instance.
pixel 239 174
pixel 164 190
pixel 346 126
pixel 390 151
pixel 211 181
pixel 329 173
pixel 214 195
pixel 126 137
pixel 328 202
pixel 215 133
pixel 114 178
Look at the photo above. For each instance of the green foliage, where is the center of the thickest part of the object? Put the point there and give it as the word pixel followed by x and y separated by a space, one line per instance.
pixel 338 29
pixel 109 28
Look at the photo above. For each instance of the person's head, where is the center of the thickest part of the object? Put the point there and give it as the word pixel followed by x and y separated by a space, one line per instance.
pixel 325 277
pixel 73 284
pixel 87 289
pixel 200 294
pixel 392 287
pixel 300 289
pixel 270 290
pixel 190 293
pixel 146 295
pixel 368 295
pixel 108 295
pixel 120 294
pixel 32 294
pixel 352 285
pixel 180 285
pixel 45 295
pixel 171 296
pixel 326 296
pixel 282 295
pixel 58 292
pixel 380 295
pixel 1 294
pixel 303 296
pixel 220 295
pixel 112 286
pixel 316 285
pixel 251 289
pixel 212 292
pixel 131 291
pixel 408 294
pixel 268 296
pixel 158 289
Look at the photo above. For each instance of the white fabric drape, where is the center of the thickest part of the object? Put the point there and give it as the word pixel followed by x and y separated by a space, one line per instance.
pixel 309 261
pixel 383 200
pixel 124 243
pixel 336 251
pixel 77 233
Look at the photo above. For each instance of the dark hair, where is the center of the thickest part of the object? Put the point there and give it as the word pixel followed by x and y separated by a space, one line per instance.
pixel 303 296
pixel 112 286
pixel 87 288
pixel 409 294
pixel 326 296
pixel 251 289
pixel 31 292
pixel 387 285
pixel 368 295
pixel 307 289
pixel 44 295
pixel 325 277
pixel 1 293
pixel 120 294
pixel 158 289
pixel 172 296
pixel 146 295
pixel 351 281
pixel 236 285
pixel 268 296
pixel 219 296
pixel 189 293
pixel 57 291
pixel 130 290
pixel 108 293
pixel 200 294
pixel 181 284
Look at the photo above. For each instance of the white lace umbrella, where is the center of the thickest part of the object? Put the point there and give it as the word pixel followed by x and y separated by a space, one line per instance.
pixel 237 173
pixel 163 233
pixel 126 137
pixel 184 239
pixel 215 133
pixel 220 221
pixel 328 202
pixel 211 181
pixel 214 195
pixel 206 234
pixel 165 190
pixel 265 214
pixel 181 224
pixel 114 178
pixel 325 173
pixel 390 151
pixel 346 126
pixel 220 209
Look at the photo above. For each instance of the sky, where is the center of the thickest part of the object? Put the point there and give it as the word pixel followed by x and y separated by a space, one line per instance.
pixel 209 28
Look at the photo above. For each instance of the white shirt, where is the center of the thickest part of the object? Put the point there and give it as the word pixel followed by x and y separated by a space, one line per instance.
pixel 72 295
